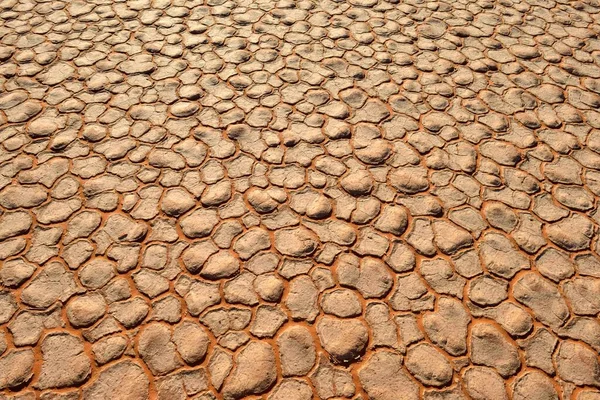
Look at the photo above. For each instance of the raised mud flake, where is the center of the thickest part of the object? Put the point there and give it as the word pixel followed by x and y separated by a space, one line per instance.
pixel 194 257
pixel 14 224
pixel 157 350
pixel 578 364
pixel 292 389
pixel 262 201
pixel 130 312
pixel 125 379
pixel 543 298
pixel 357 183
pixel 96 273
pixel 166 159
pixel 500 216
pixel 177 202
pixel 57 211
pixel 483 383
pixel 269 287
pixel 344 339
pixel 591 394
pixel 421 237
pixel 223 320
pixel 439 275
pixel 296 242
pixel 216 194
pixel 12 247
pixel 393 219
pixel 297 351
pixel 109 349
pixel 585 329
pixel 64 362
pixel 191 341
pixel 251 242
pixel 16 196
pixel 123 229
pixel 8 306
pixel 470 219
pixel 178 385
pixel 572 233
pixel 219 366
pixel 24 111
pixel 302 298
pixel 52 284
pixel 428 365
pixel 16 271
pixel 449 238
pixel 267 321
pixel 411 294
pixel 28 326
pixel 588 264
pixel 16 368
pixel 12 98
pixel 200 296
pixel 341 303
pixel 220 265
pixel 168 309
pixel 82 225
pixel 513 318
pixel 57 73
pixel 490 347
pixel 538 349
pixel 447 326
pixel 371 243
pixel 370 276
pixel 582 293
pixel 254 373
pixel 86 309
pixel 555 265
pixel 199 223
pixel 486 290
pixel 226 233
pixel 383 378
pixel 500 256
pixel 409 180
pixel 384 330
pixel 534 385
pixel 240 290
pixel 335 231
pixel 401 258
pixel 330 381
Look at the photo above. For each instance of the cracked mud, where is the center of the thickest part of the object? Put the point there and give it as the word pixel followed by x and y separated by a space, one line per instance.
pixel 294 200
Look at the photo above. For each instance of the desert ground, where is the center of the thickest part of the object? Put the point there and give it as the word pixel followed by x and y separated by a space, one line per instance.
pixel 295 200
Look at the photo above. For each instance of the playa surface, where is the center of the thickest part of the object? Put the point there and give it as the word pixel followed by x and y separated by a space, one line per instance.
pixel 295 200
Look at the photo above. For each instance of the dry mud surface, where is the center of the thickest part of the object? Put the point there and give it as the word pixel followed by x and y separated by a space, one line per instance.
pixel 294 200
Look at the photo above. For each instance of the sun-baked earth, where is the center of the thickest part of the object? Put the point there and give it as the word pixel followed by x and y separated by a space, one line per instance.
pixel 294 200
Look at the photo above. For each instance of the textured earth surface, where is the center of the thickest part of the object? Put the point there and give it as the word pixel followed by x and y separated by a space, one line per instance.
pixel 286 200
